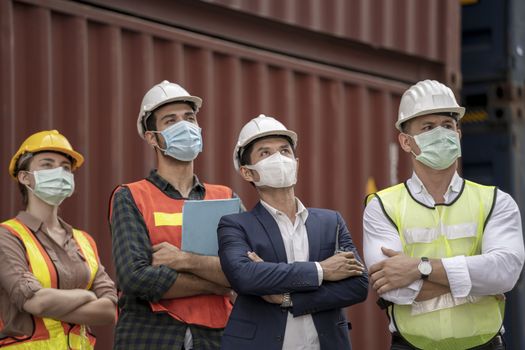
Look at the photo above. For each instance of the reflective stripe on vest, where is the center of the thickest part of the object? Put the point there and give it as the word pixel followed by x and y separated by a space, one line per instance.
pixel 163 218
pixel 444 231
pixel 49 333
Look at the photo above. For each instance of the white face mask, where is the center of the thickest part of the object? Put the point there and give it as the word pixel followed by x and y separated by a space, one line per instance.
pixel 53 185
pixel 275 171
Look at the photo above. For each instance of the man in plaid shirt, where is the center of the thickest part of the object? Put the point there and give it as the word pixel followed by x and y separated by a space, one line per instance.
pixel 170 299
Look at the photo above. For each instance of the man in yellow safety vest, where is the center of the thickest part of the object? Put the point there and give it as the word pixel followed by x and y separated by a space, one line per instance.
pixel 441 250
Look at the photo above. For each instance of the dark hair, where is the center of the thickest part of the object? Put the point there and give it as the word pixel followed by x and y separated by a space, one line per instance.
pixel 151 122
pixel 23 166
pixel 247 150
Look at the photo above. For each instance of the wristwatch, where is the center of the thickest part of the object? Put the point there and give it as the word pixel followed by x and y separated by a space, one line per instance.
pixel 287 301
pixel 425 268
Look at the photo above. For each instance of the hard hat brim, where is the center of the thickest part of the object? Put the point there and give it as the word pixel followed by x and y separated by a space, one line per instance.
pixel 459 111
pixel 77 157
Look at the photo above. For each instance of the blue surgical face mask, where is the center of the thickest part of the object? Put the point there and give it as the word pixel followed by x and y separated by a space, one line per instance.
pixel 53 185
pixel 183 141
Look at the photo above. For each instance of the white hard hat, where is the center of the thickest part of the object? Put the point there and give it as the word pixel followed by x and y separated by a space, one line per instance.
pixel 427 97
pixel 159 95
pixel 257 128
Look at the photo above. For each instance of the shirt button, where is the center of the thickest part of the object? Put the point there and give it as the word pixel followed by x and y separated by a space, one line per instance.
pixel 279 338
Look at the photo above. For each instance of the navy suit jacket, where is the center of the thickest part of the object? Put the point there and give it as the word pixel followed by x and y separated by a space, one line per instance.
pixel 258 325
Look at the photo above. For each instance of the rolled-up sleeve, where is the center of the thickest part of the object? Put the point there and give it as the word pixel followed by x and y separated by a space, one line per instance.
pixel 458 275
pixel 103 286
pixel 132 252
pixel 497 269
pixel 15 276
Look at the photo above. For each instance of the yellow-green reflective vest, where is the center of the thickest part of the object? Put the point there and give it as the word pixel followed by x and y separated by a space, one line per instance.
pixel 445 230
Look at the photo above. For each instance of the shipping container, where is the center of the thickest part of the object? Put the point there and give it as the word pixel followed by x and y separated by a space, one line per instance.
pixel 493 67
pixel 82 68
pixel 406 26
pixel 405 40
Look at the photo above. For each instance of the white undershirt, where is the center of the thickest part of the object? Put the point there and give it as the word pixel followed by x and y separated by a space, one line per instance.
pixel 300 331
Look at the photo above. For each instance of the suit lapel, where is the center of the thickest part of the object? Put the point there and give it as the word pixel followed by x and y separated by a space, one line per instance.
pixel 313 229
pixel 272 230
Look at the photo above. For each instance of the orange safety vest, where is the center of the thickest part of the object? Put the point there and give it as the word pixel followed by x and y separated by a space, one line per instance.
pixel 48 333
pixel 163 218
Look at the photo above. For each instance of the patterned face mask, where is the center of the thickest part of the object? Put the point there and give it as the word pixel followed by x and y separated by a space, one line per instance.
pixel 440 147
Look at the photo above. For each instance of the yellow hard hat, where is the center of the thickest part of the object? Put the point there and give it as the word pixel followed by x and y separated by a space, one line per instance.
pixel 48 140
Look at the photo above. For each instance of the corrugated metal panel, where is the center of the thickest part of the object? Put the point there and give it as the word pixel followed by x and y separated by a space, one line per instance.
pixel 427 29
pixel 413 52
pixel 83 71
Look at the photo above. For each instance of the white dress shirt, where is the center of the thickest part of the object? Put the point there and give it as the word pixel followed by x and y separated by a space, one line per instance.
pixel 495 271
pixel 300 333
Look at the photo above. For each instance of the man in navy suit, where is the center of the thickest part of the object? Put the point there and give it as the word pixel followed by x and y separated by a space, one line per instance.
pixel 294 269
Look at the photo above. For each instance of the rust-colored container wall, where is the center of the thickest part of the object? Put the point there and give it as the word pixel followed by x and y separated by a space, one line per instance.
pixel 402 40
pixel 83 70
pixel 402 25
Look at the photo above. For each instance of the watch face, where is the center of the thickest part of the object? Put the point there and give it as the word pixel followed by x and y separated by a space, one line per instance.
pixel 425 268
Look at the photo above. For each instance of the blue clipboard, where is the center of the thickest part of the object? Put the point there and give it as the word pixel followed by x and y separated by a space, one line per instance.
pixel 199 223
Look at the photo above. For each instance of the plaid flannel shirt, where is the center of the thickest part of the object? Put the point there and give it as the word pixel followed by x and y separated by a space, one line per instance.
pixel 138 327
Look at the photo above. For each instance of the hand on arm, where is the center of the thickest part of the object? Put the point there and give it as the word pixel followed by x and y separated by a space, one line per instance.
pixel 379 232
pixel 341 266
pixel 55 303
pixel 263 278
pixel 399 270
pixel 205 267
pixel 335 294
pixel 94 313
pixel 187 285
pixel 335 268
pixel 273 298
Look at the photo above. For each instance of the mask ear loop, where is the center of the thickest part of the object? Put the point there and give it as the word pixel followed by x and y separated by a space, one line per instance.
pixel 413 138
pixel 156 132
pixel 31 173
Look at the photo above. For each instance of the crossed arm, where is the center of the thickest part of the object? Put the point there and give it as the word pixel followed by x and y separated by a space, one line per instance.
pixel 159 272
pixel 249 274
pixel 78 306
pixel 394 275
pixel 197 274
pixel 495 271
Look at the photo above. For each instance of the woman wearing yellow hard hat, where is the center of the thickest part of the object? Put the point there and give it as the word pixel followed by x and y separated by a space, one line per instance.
pixel 52 285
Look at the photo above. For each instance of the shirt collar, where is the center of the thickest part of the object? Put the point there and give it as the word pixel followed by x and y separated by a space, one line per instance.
pixel 35 224
pixel 302 212
pixel 416 186
pixel 164 185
